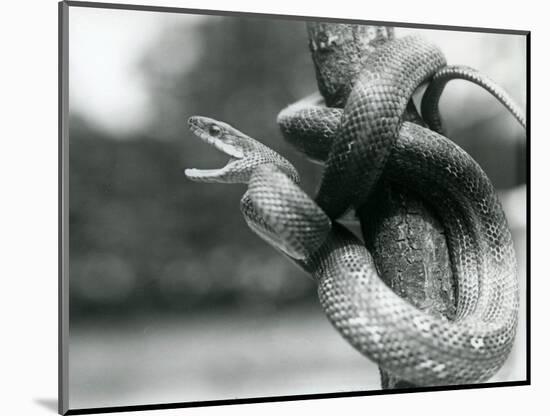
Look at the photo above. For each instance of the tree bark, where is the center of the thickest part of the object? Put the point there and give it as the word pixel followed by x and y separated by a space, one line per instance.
pixel 403 235
pixel 410 252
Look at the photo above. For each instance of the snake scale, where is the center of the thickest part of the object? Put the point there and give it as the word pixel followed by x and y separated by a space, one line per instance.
pixel 357 143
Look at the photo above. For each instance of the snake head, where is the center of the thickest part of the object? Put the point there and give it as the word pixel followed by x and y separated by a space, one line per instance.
pixel 246 154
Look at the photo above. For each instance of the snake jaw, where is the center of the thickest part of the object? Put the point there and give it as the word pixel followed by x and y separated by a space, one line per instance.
pixel 202 127
pixel 207 175
pixel 221 136
pixel 246 153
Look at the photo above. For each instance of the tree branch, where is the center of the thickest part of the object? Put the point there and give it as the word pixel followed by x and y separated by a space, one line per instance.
pixel 405 238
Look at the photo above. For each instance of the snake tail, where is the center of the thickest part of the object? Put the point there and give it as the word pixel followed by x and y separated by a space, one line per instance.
pixel 430 100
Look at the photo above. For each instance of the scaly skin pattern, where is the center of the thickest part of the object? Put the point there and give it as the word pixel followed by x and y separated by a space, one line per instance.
pixel 403 340
pixel 374 109
pixel 407 342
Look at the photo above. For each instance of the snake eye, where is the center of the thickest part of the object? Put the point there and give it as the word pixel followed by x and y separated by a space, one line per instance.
pixel 214 130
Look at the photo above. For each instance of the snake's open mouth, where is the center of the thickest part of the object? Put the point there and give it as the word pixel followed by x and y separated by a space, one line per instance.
pixel 215 134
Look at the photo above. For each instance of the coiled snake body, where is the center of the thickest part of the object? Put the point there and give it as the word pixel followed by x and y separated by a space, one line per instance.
pixel 369 136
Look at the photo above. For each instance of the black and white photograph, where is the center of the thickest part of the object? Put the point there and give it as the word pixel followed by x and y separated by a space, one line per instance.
pixel 260 207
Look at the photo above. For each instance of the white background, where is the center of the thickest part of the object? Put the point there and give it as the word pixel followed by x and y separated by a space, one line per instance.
pixel 28 220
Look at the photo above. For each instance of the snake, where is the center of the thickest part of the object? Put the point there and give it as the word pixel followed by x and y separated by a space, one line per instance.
pixel 358 143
